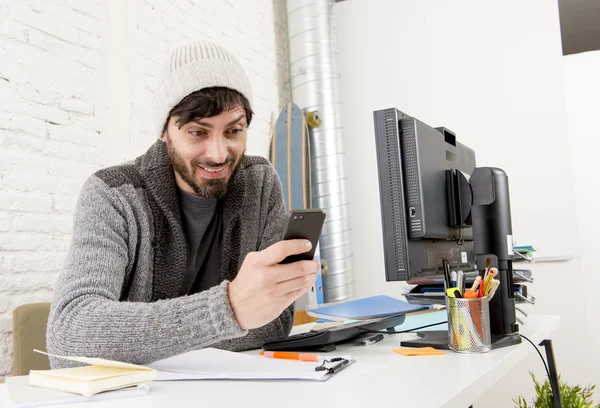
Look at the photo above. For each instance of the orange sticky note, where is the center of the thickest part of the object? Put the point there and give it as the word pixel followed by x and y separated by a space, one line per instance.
pixel 419 351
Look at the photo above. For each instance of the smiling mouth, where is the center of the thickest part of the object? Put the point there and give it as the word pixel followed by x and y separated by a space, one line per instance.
pixel 208 172
pixel 213 169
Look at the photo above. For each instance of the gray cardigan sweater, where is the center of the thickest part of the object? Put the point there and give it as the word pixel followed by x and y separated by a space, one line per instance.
pixel 117 297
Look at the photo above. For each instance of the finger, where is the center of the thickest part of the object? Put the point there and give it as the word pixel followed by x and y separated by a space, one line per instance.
pixel 293 285
pixel 293 296
pixel 282 249
pixel 282 273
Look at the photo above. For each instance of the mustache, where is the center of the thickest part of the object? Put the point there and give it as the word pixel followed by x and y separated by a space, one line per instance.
pixel 210 163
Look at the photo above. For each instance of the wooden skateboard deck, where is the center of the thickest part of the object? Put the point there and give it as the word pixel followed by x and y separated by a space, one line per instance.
pixel 290 155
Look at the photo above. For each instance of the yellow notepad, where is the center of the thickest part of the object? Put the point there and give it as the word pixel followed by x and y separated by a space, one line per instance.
pixel 100 375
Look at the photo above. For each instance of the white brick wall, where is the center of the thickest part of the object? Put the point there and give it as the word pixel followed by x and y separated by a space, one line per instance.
pixel 253 30
pixel 66 66
pixel 51 80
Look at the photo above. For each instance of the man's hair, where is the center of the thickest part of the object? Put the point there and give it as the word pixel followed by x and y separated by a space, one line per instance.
pixel 208 102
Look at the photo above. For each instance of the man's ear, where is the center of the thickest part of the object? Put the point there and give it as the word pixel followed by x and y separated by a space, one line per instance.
pixel 164 135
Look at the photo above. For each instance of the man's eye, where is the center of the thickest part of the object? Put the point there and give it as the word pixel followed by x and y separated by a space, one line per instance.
pixel 197 132
pixel 235 131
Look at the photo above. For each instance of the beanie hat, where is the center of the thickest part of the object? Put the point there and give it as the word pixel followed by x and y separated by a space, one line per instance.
pixel 192 67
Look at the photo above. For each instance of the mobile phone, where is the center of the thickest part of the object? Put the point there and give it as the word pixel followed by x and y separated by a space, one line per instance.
pixel 303 224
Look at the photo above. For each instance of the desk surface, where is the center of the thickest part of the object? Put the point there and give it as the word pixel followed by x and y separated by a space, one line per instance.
pixel 379 377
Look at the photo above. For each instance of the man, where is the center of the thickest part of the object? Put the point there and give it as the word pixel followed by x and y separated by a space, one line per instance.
pixel 179 249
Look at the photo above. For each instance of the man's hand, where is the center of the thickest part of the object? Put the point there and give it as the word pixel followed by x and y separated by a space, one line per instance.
pixel 263 288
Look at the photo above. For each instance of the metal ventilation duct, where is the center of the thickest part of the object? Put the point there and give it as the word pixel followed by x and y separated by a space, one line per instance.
pixel 314 84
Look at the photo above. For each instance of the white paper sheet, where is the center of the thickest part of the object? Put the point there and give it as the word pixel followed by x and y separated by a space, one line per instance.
pixel 215 364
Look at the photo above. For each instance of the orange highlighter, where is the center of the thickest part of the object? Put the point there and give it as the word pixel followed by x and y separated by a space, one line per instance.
pixel 290 356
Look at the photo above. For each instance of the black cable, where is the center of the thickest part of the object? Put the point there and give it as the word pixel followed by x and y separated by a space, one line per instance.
pixel 539 353
pixel 399 332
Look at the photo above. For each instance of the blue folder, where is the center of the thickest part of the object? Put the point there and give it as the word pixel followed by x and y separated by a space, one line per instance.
pixel 368 308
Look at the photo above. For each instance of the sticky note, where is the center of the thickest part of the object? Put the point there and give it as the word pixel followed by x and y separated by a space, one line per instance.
pixel 419 351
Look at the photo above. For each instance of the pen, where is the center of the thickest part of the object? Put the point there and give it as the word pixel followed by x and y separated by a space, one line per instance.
pixel 372 340
pixel 480 292
pixel 493 272
pixel 453 279
pixel 460 281
pixel 290 356
pixel 446 273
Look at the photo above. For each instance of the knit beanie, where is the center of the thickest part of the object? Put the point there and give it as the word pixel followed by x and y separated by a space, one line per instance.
pixel 192 67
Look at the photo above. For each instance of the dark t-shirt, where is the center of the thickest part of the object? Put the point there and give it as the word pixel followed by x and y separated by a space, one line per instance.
pixel 202 229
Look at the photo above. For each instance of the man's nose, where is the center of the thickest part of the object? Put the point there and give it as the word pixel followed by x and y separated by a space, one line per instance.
pixel 217 149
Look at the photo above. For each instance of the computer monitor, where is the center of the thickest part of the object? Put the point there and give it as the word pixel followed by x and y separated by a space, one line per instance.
pixel 412 160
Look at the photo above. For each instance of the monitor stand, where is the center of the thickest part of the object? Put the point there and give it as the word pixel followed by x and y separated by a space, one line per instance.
pixel 438 339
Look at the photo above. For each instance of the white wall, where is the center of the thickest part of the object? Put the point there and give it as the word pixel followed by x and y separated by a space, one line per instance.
pixel 492 73
pixel 144 33
pixel 51 74
pixel 75 83
pixel 582 85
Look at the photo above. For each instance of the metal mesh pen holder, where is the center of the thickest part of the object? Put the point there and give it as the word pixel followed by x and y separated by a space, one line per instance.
pixel 469 325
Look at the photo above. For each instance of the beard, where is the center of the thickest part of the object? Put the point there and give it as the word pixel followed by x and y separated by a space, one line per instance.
pixel 211 188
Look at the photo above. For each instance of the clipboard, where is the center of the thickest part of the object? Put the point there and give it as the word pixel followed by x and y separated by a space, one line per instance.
pixel 215 364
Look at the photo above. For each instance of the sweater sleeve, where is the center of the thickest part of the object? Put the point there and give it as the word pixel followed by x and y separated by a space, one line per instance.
pixel 273 228
pixel 87 318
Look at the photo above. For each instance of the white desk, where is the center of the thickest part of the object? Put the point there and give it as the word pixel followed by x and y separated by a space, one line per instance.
pixel 453 380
